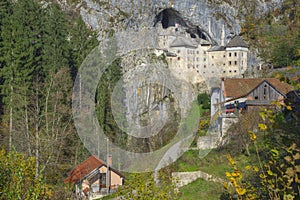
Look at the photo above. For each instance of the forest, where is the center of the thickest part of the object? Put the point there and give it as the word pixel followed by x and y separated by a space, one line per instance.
pixel 41 49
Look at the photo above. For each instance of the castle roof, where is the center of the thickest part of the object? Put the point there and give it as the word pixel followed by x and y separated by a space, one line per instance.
pixel 237 41
pixel 216 48
pixel 182 42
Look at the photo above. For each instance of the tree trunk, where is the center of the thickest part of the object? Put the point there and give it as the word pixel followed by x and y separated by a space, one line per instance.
pixel 27 129
pixel 10 121
pixel 37 137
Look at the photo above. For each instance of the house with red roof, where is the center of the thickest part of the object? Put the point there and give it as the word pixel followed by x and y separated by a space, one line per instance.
pixel 93 176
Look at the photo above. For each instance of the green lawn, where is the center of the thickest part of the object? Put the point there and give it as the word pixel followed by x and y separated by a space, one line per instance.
pixel 215 162
pixel 201 189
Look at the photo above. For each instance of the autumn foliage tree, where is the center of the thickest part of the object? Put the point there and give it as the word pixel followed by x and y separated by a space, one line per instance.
pixel 18 180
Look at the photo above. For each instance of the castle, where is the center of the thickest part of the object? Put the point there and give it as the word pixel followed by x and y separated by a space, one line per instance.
pixel 196 59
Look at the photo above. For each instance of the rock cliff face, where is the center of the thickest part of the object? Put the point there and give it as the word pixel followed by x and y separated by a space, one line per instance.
pixel 116 15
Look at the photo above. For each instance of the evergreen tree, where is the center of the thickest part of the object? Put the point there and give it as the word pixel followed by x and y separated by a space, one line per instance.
pixel 82 42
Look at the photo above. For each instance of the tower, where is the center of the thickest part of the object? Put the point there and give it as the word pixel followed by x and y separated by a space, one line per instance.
pixel 223 36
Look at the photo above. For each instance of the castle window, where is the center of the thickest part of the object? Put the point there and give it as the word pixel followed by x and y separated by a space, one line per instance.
pixel 224 55
pixel 204 59
pixel 235 62
pixel 229 54
pixel 197 71
pixel 224 71
pixel 204 66
pixel 229 71
pixel 178 58
pixel 235 71
pixel 197 52
pixel 229 62
pixel 235 54
pixel 212 56
pixel 178 51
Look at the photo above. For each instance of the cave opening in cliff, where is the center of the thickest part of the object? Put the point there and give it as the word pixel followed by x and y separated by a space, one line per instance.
pixel 170 17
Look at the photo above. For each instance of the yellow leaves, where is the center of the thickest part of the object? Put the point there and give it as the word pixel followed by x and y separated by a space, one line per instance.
pixel 262 176
pixel 255 169
pixel 225 185
pixel 240 191
pixel 262 115
pixel 289 108
pixel 248 167
pixel 274 152
pixel 278 76
pixel 228 174
pixel 262 127
pixel 252 135
pixel 230 159
pixel 21 179
pixel 288 197
pixel 270 172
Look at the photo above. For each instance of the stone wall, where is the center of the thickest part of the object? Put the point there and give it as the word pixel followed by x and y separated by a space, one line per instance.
pixel 184 178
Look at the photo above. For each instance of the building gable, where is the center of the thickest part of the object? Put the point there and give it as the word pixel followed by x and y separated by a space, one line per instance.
pixel 265 92
pixel 238 87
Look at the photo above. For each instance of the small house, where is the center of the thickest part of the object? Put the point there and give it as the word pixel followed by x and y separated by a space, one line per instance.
pixel 94 177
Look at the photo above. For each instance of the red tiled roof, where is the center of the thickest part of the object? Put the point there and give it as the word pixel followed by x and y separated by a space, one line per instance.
pixel 83 169
pixel 239 87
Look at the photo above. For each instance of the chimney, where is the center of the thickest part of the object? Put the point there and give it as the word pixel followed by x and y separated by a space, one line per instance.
pixel 109 160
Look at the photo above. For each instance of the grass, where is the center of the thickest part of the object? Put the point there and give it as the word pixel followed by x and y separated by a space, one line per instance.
pixel 214 163
pixel 201 189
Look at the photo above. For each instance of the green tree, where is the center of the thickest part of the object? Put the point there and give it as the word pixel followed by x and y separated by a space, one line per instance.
pixel 204 100
pixel 82 41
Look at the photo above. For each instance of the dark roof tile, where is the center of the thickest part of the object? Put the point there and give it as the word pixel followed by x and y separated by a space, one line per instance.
pixel 237 41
